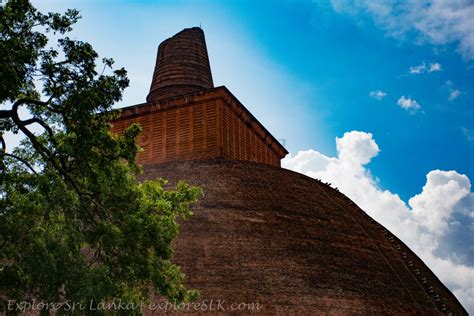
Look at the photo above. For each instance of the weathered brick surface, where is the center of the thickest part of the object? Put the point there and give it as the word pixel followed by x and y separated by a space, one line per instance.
pixel 269 235
pixel 182 66
pixel 202 125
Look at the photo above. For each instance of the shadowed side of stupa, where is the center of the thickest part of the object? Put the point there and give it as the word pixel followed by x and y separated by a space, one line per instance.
pixel 295 245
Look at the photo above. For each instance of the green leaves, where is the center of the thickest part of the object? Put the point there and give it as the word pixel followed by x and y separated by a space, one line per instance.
pixel 74 222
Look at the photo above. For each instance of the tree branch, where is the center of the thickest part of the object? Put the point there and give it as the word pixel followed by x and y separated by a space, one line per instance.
pixel 47 155
pixel 44 152
pixel 22 101
pixel 43 124
pixel 2 141
pixel 21 160
pixel 5 114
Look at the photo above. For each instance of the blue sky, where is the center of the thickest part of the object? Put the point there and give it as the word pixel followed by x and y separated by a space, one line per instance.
pixel 306 70
pixel 324 64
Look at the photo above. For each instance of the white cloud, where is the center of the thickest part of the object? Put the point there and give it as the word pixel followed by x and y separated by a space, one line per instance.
pixel 437 22
pixel 439 185
pixel 444 206
pixel 379 94
pixel 418 69
pixel 408 104
pixel 434 67
pixel 453 94
pixel 469 134
pixel 357 147
pixel 422 68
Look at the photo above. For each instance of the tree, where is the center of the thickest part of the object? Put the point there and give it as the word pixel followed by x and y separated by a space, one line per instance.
pixel 75 225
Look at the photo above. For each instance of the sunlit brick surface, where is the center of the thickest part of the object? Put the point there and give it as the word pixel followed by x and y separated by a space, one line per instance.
pixel 202 125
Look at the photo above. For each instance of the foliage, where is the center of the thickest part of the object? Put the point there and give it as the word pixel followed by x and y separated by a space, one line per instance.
pixel 74 222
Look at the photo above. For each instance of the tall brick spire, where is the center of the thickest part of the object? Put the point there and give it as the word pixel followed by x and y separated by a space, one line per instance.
pixel 182 66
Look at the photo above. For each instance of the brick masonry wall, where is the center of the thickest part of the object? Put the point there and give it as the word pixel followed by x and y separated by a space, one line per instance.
pixel 182 66
pixel 269 235
pixel 240 142
pixel 183 133
pixel 208 125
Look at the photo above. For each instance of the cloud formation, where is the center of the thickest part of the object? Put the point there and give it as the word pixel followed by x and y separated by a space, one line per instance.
pixel 453 94
pixel 379 94
pixel 423 68
pixel 408 104
pixel 469 134
pixel 444 208
pixel 437 22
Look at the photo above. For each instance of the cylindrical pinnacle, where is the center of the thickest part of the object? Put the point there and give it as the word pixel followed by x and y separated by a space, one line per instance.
pixel 182 66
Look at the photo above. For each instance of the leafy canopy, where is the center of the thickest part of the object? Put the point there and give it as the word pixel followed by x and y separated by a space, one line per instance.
pixel 74 222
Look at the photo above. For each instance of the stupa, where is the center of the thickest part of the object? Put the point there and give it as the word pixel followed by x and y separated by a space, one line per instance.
pixel 263 234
